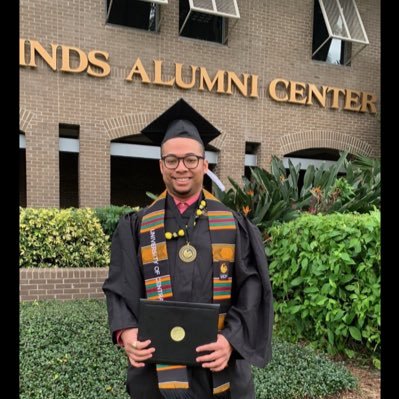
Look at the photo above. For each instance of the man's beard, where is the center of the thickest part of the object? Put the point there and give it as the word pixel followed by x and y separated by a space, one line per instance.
pixel 182 193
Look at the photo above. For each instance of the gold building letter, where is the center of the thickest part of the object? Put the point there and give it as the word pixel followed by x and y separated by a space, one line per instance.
pixel 104 66
pixel 139 69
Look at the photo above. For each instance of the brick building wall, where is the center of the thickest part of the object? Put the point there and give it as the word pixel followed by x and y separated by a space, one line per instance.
pixel 272 39
pixel 61 284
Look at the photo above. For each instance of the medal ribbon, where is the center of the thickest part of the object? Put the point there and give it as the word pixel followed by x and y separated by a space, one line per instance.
pixel 189 227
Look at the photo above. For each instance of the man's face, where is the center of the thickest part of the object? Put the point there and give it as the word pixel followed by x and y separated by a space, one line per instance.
pixel 183 182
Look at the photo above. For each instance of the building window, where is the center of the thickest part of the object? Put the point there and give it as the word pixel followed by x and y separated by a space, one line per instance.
pixel 251 157
pixel 207 20
pixel 129 184
pixel 141 14
pixel 69 165
pixel 338 31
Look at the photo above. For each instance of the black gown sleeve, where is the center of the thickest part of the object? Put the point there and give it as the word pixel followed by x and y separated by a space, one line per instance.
pixel 124 284
pixel 249 321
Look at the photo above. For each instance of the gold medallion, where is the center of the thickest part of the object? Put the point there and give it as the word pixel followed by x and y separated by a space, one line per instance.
pixel 177 333
pixel 187 253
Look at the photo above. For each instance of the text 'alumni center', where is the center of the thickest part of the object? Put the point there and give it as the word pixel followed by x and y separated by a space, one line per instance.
pixel 297 79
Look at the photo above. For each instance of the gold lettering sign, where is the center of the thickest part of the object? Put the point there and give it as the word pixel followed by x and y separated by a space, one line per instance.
pixel 71 59
pixel 75 60
pixel 282 90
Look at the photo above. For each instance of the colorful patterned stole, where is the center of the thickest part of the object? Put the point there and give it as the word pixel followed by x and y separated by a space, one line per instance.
pixel 158 285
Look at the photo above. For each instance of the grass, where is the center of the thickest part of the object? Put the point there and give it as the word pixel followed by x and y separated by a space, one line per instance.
pixel 66 352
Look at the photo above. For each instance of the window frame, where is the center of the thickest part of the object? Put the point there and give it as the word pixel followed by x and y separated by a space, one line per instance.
pixel 347 37
pixel 215 12
pixel 157 15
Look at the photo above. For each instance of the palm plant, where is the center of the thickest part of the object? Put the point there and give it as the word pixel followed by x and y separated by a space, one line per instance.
pixel 274 197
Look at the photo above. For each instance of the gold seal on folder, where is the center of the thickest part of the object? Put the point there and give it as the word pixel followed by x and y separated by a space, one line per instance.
pixel 177 333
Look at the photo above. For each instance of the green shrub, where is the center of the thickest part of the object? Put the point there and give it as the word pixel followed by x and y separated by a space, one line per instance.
pixel 61 238
pixel 296 372
pixel 325 273
pixel 66 352
pixel 278 196
pixel 110 215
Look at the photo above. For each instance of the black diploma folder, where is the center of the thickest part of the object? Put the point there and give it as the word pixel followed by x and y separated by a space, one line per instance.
pixel 177 328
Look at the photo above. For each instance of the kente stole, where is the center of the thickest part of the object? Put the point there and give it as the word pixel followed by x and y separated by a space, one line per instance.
pixel 158 285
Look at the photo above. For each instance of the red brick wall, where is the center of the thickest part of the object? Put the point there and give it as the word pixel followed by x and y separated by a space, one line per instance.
pixel 272 39
pixel 63 284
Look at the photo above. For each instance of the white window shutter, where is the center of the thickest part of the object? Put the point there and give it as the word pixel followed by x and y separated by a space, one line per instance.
pixel 222 8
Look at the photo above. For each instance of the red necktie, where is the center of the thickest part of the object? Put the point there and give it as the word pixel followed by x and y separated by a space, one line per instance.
pixel 182 206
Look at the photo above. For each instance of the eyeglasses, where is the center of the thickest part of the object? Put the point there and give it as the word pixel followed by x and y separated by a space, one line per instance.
pixel 189 161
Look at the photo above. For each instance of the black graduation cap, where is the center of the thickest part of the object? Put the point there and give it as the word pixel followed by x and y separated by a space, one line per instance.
pixel 180 120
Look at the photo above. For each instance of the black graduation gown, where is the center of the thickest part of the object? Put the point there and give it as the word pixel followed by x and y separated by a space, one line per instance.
pixel 248 324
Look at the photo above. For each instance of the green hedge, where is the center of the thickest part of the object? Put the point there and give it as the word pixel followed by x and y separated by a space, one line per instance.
pixel 325 273
pixel 66 352
pixel 297 372
pixel 61 238
pixel 109 216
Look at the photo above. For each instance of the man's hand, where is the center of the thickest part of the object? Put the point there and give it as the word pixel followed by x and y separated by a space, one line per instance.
pixel 136 351
pixel 219 358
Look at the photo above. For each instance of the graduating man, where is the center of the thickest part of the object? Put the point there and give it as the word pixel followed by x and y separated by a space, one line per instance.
pixel 187 246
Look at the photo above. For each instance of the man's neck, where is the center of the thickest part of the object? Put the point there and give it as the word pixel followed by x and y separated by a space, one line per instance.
pixel 185 199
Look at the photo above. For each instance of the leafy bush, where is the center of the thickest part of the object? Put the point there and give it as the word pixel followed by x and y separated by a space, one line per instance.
pixel 110 215
pixel 296 372
pixel 325 272
pixel 61 238
pixel 358 191
pixel 364 175
pixel 276 196
pixel 266 198
pixel 66 352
